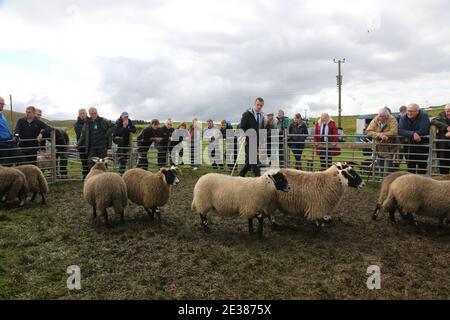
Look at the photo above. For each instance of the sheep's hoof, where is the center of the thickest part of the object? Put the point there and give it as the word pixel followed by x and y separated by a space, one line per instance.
pixel 376 213
pixel 319 225
pixel 150 214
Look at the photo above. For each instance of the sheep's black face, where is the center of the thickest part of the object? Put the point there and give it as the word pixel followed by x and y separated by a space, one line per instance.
pixel 171 177
pixel 280 181
pixel 352 178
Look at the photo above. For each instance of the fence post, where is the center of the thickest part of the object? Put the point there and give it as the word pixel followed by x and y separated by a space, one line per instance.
pixel 374 159
pixel 53 155
pixel 131 157
pixel 430 154
pixel 285 150
pixel 327 151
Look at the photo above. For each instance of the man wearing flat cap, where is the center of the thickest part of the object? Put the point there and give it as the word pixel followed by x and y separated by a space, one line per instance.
pixel 122 137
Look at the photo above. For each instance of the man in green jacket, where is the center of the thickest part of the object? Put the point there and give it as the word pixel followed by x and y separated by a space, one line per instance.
pixel 442 122
pixel 96 135
pixel 282 123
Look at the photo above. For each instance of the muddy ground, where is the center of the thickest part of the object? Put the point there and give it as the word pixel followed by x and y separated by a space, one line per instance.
pixel 177 260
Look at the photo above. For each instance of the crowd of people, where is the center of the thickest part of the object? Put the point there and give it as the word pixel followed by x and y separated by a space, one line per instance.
pixel 95 135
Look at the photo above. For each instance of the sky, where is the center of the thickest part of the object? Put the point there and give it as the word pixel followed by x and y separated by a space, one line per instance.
pixel 211 59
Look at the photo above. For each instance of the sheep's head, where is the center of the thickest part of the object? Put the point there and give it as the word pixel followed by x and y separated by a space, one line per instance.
pixel 348 176
pixel 100 164
pixel 171 175
pixel 278 179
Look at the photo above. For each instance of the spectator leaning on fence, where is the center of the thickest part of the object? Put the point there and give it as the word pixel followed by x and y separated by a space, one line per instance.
pixel 442 122
pixel 8 149
pixel 384 130
pixel 78 127
pixel 122 137
pixel 182 133
pixel 30 131
pixel 326 140
pixel 269 125
pixel 252 119
pixel 146 138
pixel 414 127
pixel 38 115
pixel 96 135
pixel 212 135
pixel 232 158
pixel 164 144
pixel 298 132
pixel 281 123
pixel 401 150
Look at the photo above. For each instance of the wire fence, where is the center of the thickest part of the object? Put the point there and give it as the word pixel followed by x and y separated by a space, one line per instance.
pixel 373 160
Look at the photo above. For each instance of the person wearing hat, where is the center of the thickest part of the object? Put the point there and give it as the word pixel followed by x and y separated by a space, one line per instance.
pixel 148 136
pixel 122 137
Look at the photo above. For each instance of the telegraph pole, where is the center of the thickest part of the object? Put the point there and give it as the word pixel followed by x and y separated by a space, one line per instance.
pixel 339 85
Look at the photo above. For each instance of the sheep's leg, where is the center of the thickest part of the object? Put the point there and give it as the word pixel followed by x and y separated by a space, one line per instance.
pixel 34 196
pixel 22 199
pixel 158 214
pixel 122 220
pixel 274 226
pixel 43 199
pixel 150 213
pixel 250 226
pixel 376 212
pixel 94 212
pixel 392 215
pixel 204 221
pixel 319 225
pixel 414 219
pixel 260 225
pixel 105 215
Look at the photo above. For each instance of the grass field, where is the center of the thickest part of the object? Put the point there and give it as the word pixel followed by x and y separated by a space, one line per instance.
pixel 176 260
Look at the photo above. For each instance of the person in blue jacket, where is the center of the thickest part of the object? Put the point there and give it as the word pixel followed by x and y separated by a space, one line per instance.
pixel 414 128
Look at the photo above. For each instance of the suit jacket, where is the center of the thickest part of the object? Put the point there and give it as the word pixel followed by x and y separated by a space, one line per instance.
pixel 248 121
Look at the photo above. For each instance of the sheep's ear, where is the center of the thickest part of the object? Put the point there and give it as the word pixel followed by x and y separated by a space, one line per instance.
pixel 338 165
pixel 108 160
pixel 177 170
pixel 95 159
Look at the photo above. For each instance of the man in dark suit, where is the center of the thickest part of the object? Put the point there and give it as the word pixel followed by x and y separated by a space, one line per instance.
pixel 252 119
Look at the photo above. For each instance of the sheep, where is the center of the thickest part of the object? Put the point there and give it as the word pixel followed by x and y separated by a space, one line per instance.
pixel 13 184
pixel 44 161
pixel 246 197
pixel 151 190
pixel 36 181
pixel 385 190
pixel 415 194
pixel 105 189
pixel 314 195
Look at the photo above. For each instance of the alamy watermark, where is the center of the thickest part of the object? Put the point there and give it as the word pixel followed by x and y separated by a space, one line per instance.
pixel 374 280
pixel 74 280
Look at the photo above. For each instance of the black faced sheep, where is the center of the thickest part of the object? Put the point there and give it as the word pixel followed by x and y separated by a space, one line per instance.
pixel 151 190
pixel 314 195
pixel 246 197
